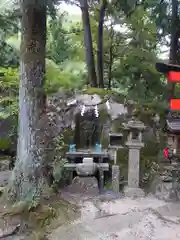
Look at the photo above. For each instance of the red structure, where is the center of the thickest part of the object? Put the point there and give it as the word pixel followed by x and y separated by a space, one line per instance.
pixel 173 75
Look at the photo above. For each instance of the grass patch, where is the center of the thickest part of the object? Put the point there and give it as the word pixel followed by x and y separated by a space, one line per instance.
pixel 3 158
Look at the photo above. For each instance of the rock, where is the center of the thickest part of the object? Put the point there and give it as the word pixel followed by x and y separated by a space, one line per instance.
pixel 164 189
pixel 84 185
pixel 1 190
pixel 87 99
pixel 166 178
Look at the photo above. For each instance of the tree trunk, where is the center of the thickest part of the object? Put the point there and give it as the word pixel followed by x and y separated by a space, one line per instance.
pixel 173 44
pixel 88 44
pixel 110 57
pixel 110 67
pixel 27 178
pixel 100 68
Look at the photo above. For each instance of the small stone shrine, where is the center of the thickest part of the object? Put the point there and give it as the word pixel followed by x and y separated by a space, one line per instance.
pixel 87 161
pixel 172 129
pixel 134 143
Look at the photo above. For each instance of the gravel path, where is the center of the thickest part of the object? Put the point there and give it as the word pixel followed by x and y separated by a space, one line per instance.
pixel 124 219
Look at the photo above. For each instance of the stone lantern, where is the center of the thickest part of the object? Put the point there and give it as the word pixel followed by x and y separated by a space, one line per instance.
pixel 134 143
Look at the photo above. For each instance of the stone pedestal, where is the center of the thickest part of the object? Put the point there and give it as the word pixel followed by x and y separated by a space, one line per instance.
pixel 133 167
pixel 133 189
pixel 84 185
pixel 101 180
pixel 115 178
pixel 134 192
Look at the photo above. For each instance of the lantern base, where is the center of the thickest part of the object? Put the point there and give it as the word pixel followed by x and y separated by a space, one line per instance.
pixel 134 192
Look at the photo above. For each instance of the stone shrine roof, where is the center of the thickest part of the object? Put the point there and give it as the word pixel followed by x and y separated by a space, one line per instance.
pixel 173 125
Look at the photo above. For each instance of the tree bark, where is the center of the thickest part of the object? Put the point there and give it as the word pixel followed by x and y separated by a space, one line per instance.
pixel 88 43
pixel 173 44
pixel 27 179
pixel 110 57
pixel 100 44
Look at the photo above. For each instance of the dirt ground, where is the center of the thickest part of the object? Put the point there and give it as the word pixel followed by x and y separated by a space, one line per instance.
pixel 66 216
pixel 18 223
pixel 95 219
pixel 123 219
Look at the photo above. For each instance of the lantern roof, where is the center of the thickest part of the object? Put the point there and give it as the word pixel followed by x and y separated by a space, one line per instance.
pixel 135 125
pixel 173 125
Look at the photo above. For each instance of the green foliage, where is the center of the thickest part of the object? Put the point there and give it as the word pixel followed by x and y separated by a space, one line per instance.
pixel 9 84
pixel 134 50
pixel 136 67
pixel 8 56
pixel 59 47
pixel 8 26
pixel 56 79
pixel 146 110
pixel 10 81
pixel 151 168
pixel 5 143
pixel 59 172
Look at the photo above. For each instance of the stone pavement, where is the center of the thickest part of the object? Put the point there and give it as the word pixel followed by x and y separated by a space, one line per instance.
pixel 124 219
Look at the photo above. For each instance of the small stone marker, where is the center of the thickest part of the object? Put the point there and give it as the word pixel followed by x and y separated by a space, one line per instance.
pixel 115 178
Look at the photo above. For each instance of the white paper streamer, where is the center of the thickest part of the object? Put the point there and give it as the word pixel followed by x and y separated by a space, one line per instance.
pixel 83 110
pixel 107 105
pixel 72 102
pixel 96 111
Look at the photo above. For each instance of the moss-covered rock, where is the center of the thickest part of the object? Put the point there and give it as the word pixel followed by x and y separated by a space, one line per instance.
pixel 119 98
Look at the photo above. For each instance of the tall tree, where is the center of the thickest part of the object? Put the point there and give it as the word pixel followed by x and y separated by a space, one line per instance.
pixel 100 68
pixel 27 175
pixel 174 31
pixel 88 43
